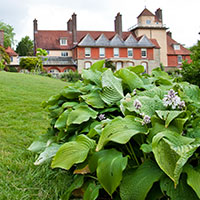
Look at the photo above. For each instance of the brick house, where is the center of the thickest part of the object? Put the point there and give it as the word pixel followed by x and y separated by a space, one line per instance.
pixel 147 43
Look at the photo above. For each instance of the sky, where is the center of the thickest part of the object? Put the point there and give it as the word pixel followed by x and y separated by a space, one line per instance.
pixel 181 17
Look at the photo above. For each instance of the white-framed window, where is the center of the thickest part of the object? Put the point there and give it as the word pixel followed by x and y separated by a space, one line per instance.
pixel 63 41
pixel 53 71
pixel 116 52
pixel 130 52
pixel 144 53
pixel 11 59
pixel 101 52
pixel 87 65
pixel 177 47
pixel 87 52
pixel 180 59
pixel 64 53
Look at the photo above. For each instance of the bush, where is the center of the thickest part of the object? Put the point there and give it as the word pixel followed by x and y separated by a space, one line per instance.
pixel 125 135
pixel 71 76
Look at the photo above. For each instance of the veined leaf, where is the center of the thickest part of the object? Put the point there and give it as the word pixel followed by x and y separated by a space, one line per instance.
pixel 135 185
pixel 172 151
pixel 193 178
pixel 137 69
pixel 80 115
pixel 70 92
pixel 92 192
pixel 94 99
pixel 73 152
pixel 51 101
pixel 47 154
pixel 112 88
pixel 131 79
pixel 120 130
pixel 69 104
pixel 181 192
pixel 62 120
pixel 168 115
pixel 110 166
pixel 92 76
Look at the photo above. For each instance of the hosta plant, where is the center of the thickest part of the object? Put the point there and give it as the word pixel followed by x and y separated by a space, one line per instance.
pixel 125 135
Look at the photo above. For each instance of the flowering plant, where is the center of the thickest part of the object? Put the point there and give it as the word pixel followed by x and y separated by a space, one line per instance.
pixel 125 135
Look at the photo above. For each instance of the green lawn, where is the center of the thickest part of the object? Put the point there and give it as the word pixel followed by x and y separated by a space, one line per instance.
pixel 21 119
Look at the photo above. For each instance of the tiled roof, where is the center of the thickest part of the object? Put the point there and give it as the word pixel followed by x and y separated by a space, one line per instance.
pixel 146 12
pixel 11 52
pixel 50 40
pixel 170 48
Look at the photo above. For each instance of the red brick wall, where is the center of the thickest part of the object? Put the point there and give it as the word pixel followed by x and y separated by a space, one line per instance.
pixel 150 54
pixel 123 53
pixel 173 60
pixel 109 52
pixel 137 54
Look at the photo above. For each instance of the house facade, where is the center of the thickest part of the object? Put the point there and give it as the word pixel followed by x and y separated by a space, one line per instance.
pixel 147 44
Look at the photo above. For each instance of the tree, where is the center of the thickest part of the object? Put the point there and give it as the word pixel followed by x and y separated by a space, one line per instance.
pixel 191 71
pixel 8 34
pixel 4 58
pixel 25 47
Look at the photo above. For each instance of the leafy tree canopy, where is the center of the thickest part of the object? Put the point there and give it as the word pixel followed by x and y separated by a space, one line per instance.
pixel 8 34
pixel 191 71
pixel 25 47
pixel 4 56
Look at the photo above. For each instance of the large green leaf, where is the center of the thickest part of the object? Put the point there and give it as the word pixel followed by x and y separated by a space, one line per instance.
pixel 92 76
pixel 47 154
pixel 110 166
pixel 70 92
pixel 112 88
pixel 94 99
pixel 137 183
pixel 92 192
pixel 73 152
pixel 51 101
pixel 81 114
pixel 172 151
pixel 138 69
pixel 193 178
pixel 76 183
pixel 181 192
pixel 98 66
pixel 131 79
pixel 168 115
pixel 120 130
pixel 62 120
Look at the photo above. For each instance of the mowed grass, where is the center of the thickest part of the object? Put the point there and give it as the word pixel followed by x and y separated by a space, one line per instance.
pixel 22 119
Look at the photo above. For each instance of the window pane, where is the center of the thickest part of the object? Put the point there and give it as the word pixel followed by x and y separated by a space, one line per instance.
pixel 179 59
pixel 116 52
pixel 87 65
pixel 144 53
pixel 118 65
pixel 87 52
pixel 130 52
pixel 63 41
pixel 102 52
pixel 64 53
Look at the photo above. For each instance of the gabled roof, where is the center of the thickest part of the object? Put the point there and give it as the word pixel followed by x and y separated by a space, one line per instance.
pixel 87 41
pixel 102 41
pixel 11 52
pixel 117 41
pixel 170 48
pixel 130 41
pixel 144 41
pixel 146 12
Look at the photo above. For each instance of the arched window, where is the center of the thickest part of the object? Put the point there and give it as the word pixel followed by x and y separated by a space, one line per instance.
pixel 87 65
pixel 145 64
pixel 130 64
pixel 54 71
pixel 66 70
pixel 119 65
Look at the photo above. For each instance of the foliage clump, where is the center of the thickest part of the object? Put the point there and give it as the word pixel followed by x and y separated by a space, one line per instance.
pixel 125 135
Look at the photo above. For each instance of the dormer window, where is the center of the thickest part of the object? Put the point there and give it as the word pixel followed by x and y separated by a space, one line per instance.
pixel 176 47
pixel 63 41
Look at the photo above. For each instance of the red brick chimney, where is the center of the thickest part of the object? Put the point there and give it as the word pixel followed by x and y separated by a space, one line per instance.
pixel 1 38
pixel 74 29
pixel 35 26
pixel 169 33
pixel 118 24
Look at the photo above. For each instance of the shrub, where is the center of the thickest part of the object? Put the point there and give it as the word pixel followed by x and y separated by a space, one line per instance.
pixel 125 135
pixel 71 76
